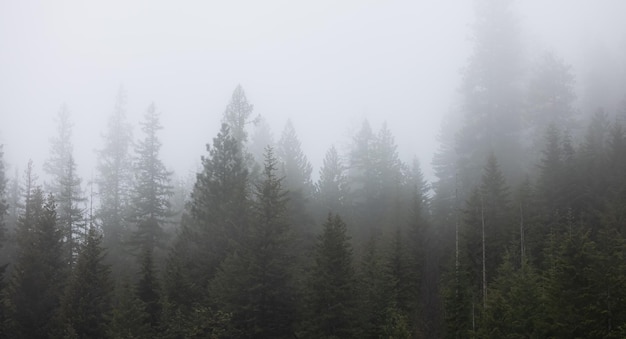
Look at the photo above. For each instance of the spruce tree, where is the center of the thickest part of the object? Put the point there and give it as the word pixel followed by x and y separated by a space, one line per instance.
pixel 65 185
pixel 331 299
pixel 152 188
pixel 296 169
pixel 255 282
pixel 114 180
pixel 214 222
pixel 332 186
pixel 86 305
pixel 37 282
pixel 4 207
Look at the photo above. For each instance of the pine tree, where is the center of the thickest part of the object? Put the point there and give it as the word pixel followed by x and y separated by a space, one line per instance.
pixel 65 185
pixel 332 186
pixel 331 297
pixel 114 182
pixel 86 305
pixel 37 282
pixel 255 282
pixel 296 170
pixel 152 190
pixel 213 224
pixel 237 116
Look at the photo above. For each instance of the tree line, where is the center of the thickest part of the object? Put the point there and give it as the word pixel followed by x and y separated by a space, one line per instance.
pixel 520 234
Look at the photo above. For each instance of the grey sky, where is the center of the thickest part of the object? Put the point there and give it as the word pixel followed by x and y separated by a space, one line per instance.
pixel 324 64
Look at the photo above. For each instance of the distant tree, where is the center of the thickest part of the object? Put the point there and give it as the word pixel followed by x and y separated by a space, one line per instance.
pixel 551 95
pixel 296 169
pixel 65 185
pixel 332 187
pixel 150 206
pixel 255 282
pixel 114 181
pixel 262 137
pixel 37 283
pixel 213 224
pixel 86 305
pixel 331 297
pixel 237 116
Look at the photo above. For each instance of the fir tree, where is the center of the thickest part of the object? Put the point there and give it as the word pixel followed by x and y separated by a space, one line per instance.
pixel 152 190
pixel 114 182
pixel 255 282
pixel 37 283
pixel 213 224
pixel 86 306
pixel 331 287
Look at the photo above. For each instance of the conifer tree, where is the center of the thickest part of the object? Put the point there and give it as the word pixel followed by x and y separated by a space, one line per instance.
pixel 213 224
pixel 331 298
pixel 114 182
pixel 86 305
pixel 255 282
pixel 37 282
pixel 296 170
pixel 152 189
pixel 332 186
pixel 237 116
pixel 65 186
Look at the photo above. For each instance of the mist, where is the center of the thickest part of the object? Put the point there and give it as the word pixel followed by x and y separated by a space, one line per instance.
pixel 467 88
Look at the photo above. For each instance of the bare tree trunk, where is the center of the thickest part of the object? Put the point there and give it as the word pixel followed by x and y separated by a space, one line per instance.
pixel 482 217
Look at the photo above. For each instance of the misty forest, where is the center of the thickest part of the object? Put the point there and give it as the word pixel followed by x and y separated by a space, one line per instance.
pixel 520 231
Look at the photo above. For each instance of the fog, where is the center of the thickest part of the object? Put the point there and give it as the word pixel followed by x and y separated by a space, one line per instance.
pixel 325 65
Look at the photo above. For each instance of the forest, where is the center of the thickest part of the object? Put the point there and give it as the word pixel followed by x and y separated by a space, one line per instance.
pixel 519 234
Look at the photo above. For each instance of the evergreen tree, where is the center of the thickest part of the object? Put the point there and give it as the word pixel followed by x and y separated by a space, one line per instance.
pixel 65 185
pixel 152 189
pixel 296 170
pixel 237 116
pixel 255 282
pixel 86 306
pixel 332 186
pixel 331 294
pixel 515 304
pixel 114 182
pixel 37 282
pixel 214 223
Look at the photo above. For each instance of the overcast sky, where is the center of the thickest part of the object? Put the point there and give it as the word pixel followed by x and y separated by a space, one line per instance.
pixel 327 65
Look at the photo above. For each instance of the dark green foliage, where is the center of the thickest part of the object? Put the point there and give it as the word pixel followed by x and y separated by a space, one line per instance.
pixel 86 305
pixel 147 289
pixel 37 282
pixel 152 190
pixel 214 222
pixel 255 281
pixel 516 306
pixel 331 297
pixel 129 319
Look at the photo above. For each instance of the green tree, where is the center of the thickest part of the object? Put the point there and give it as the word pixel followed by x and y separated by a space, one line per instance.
pixel 150 206
pixel 331 300
pixel 332 187
pixel 213 225
pixel 237 116
pixel 65 185
pixel 255 282
pixel 296 169
pixel 37 283
pixel 86 305
pixel 114 180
